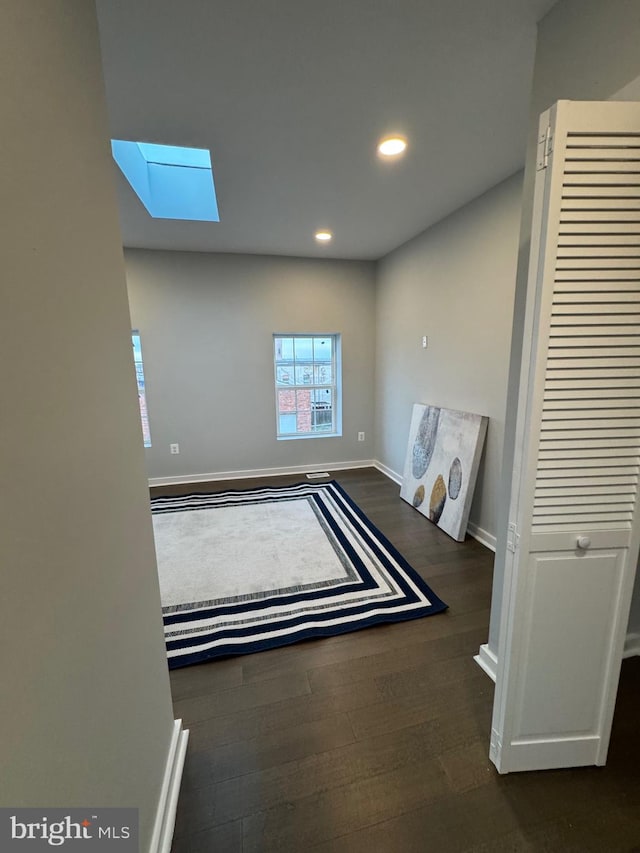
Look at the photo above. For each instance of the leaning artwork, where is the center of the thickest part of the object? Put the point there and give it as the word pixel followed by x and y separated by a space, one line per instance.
pixel 441 466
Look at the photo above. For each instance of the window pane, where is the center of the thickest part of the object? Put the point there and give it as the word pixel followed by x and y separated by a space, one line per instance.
pixel 322 374
pixel 323 421
pixel 287 424
pixel 303 348
pixel 322 410
pixel 304 374
pixel 303 401
pixel 286 401
pixel 284 375
pixel 322 397
pixel 284 349
pixel 322 349
pixel 303 407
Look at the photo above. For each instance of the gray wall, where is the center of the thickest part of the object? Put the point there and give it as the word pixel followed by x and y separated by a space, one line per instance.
pixel 454 283
pixel 586 50
pixel 86 711
pixel 207 323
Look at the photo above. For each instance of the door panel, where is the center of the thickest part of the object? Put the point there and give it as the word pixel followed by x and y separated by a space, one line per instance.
pixel 560 685
pixel 574 521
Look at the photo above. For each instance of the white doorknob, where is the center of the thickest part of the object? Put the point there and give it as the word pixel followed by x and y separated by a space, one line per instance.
pixel 583 542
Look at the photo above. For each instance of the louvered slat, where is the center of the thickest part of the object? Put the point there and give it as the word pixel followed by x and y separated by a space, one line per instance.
pixel 597 329
pixel 599 251
pixel 603 275
pixel 616 350
pixel 591 393
pixel 589 448
pixel 594 292
pixel 552 433
pixel 578 499
pixel 600 180
pixel 588 167
pixel 609 217
pixel 589 240
pixel 597 230
pixel 582 490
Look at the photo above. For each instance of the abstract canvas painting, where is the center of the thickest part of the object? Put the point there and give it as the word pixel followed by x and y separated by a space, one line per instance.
pixel 441 466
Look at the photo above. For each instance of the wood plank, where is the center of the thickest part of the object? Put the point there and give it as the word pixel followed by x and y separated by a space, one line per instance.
pixel 333 769
pixel 374 666
pixel 220 762
pixel 226 838
pixel 197 680
pixel 284 714
pixel 217 703
pixel 330 814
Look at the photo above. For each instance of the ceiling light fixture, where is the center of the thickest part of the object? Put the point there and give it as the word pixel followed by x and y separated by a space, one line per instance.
pixel 392 146
pixel 323 236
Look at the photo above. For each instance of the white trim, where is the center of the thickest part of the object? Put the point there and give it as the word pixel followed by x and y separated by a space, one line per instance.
pixel 259 472
pixel 550 753
pixel 165 820
pixel 388 472
pixel 487 660
pixel 483 536
pixel 631 645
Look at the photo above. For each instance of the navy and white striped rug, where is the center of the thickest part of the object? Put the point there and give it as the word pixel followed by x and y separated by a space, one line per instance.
pixel 245 571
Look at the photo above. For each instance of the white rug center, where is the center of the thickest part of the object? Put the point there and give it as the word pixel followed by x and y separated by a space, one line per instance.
pixel 208 554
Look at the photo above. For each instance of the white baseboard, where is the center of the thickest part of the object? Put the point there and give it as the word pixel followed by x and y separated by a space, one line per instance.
pixel 631 645
pixel 165 821
pixel 259 472
pixel 483 536
pixel 487 661
pixel 388 472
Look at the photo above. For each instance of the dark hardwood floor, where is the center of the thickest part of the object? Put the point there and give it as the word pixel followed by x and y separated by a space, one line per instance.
pixel 379 740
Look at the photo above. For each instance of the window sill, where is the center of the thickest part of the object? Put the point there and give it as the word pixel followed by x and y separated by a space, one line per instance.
pixel 309 435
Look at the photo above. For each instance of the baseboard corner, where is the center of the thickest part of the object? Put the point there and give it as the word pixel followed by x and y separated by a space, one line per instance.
pixel 388 472
pixel 482 536
pixel 487 661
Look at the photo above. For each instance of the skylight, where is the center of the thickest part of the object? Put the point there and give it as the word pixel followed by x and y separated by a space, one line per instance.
pixel 171 182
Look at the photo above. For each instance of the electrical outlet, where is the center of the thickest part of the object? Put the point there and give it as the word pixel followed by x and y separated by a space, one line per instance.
pixel 174 448
pixel 425 341
pixel 360 436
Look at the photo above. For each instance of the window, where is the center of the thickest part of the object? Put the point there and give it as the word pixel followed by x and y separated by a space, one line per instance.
pixel 307 370
pixel 171 182
pixel 142 398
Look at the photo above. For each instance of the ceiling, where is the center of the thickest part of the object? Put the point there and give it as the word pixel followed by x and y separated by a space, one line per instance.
pixel 291 96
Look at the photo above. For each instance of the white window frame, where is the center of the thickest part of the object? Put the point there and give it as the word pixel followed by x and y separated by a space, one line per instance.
pixel 334 386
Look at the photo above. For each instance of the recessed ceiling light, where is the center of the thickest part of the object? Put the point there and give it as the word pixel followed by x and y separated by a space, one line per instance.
pixel 392 146
pixel 323 236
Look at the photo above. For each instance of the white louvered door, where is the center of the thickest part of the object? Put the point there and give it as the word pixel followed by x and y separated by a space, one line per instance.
pixel 574 519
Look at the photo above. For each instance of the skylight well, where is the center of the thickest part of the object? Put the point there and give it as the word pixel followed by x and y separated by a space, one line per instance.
pixel 171 182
